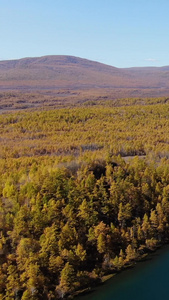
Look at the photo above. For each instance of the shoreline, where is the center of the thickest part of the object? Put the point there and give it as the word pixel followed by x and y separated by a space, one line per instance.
pixel 105 278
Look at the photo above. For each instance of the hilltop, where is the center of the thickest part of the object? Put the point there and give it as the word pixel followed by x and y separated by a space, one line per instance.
pixel 58 80
pixel 55 72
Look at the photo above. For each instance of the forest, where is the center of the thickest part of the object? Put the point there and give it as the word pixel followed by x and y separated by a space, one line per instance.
pixel 84 193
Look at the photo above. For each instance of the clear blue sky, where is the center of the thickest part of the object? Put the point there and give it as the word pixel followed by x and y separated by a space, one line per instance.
pixel 122 33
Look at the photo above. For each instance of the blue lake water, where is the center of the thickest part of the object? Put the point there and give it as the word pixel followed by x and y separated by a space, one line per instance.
pixel 148 280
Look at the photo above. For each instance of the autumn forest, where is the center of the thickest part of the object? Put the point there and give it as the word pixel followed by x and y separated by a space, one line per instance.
pixel 84 193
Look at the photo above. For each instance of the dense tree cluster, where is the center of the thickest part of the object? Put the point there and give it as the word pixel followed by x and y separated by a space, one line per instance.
pixel 63 228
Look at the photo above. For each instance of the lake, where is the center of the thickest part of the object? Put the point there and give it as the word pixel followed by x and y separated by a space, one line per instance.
pixel 148 280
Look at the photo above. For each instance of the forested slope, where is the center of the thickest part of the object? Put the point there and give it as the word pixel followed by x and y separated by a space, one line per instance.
pixel 84 192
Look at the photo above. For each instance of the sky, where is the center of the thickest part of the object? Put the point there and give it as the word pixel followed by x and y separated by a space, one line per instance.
pixel 121 33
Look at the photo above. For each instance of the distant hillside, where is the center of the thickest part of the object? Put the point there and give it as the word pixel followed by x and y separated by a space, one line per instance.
pixel 72 73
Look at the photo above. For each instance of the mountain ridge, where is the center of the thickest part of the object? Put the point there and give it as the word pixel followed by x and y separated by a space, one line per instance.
pixel 52 72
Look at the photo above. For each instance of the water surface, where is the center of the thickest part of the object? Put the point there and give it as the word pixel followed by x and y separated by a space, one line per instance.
pixel 148 280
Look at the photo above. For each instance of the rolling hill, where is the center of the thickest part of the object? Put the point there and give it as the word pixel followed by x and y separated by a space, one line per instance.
pixel 53 72
pixel 50 81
